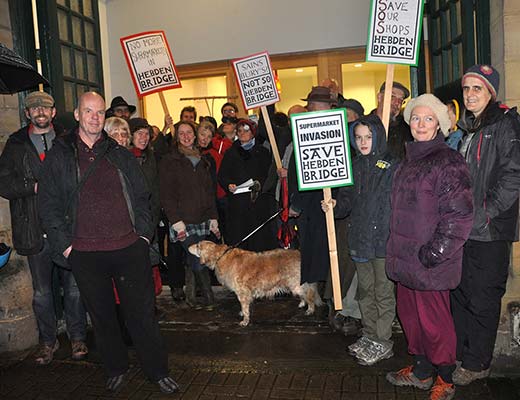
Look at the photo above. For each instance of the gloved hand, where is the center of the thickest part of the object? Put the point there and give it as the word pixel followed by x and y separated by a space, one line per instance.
pixel 180 228
pixel 255 190
pixel 213 227
pixel 428 257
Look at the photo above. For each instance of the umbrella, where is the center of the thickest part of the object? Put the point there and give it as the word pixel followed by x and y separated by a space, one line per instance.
pixel 286 232
pixel 16 74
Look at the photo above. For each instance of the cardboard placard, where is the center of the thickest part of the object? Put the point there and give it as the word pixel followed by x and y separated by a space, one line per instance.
pixel 321 149
pixel 394 31
pixel 256 80
pixel 150 62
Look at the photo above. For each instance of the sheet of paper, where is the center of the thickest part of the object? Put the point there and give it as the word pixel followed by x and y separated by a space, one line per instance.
pixel 244 187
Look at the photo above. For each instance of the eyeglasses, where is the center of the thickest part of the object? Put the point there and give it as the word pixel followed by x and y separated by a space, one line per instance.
pixel 229 110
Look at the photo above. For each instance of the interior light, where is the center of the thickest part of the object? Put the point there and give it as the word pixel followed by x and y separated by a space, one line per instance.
pixel 358 65
pixel 299 70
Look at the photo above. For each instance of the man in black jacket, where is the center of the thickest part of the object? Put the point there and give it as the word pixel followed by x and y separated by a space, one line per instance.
pixel 491 146
pixel 95 208
pixel 20 172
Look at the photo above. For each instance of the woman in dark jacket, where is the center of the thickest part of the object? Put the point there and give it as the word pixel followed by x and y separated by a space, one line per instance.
pixel 246 159
pixel 432 213
pixel 188 198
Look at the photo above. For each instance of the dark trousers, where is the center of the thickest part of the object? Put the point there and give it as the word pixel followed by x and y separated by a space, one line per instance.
pixel 176 260
pixel 42 268
pixel 130 269
pixel 477 301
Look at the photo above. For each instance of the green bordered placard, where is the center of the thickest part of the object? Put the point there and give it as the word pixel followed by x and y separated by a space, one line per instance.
pixel 394 31
pixel 321 149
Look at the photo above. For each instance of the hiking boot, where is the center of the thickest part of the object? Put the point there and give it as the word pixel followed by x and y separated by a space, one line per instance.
pixel 442 390
pixel 336 321
pixel 406 377
pixel 177 294
pixel 79 350
pixel 358 345
pixel 46 353
pixel 351 326
pixel 374 352
pixel 463 376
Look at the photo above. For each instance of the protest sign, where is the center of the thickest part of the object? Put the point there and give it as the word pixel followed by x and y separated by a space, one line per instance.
pixel 394 31
pixel 321 149
pixel 150 62
pixel 256 80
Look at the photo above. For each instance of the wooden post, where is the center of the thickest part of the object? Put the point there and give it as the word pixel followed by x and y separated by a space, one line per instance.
pixel 389 83
pixel 166 111
pixel 333 252
pixel 272 139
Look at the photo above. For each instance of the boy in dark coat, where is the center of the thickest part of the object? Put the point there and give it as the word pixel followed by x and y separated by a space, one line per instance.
pixel 368 204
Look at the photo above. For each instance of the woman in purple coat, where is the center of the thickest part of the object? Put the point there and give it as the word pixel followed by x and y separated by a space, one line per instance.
pixel 432 213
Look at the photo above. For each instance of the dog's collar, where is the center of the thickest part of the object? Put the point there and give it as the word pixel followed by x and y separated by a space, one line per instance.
pixel 224 253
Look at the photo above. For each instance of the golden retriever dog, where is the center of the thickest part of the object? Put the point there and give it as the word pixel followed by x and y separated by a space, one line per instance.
pixel 255 275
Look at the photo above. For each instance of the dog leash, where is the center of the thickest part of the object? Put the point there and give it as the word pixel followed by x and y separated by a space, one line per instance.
pixel 249 235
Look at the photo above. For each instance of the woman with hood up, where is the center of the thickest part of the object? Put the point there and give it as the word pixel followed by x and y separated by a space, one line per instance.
pixel 368 204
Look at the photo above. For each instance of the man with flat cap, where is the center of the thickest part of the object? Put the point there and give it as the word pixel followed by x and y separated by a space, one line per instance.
pixel 20 171
pixel 120 108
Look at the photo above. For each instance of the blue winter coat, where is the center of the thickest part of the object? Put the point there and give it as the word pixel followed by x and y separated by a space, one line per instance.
pixel 432 215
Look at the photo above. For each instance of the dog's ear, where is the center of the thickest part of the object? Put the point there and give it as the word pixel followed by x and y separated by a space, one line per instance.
pixel 194 249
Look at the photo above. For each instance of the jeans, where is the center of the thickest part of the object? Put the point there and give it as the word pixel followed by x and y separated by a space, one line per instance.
pixel 42 268
pixel 130 270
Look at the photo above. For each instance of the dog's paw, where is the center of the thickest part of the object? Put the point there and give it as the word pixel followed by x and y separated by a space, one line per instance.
pixel 244 323
pixel 302 304
pixel 309 312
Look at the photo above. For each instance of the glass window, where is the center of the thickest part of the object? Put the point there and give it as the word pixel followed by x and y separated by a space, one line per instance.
pixel 80 68
pixel 90 37
pixel 87 9
pixel 295 84
pixel 66 61
pixel 63 25
pixel 76 31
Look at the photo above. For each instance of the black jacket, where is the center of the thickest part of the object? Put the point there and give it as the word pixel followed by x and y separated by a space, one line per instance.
pixel 493 157
pixel 20 169
pixel 58 200
pixel 368 201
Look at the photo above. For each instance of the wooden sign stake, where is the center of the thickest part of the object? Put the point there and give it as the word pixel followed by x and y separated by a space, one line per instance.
pixel 333 252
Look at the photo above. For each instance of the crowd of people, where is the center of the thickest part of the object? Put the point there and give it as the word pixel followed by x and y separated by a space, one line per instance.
pixel 424 234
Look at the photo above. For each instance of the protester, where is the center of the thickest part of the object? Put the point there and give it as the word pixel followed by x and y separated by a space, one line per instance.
pixel 188 198
pixel 455 135
pixel 398 130
pixel 246 160
pixel 368 204
pixel 229 113
pixel 120 108
pixel 306 205
pixel 431 218
pixel 491 146
pixel 20 176
pixel 100 224
pixel 117 128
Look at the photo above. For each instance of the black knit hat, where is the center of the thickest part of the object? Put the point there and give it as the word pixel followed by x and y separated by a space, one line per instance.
pixel 353 105
pixel 138 123
pixel 487 74
pixel 397 85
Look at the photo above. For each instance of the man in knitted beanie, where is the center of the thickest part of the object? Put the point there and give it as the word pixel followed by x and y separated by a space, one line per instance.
pixel 491 146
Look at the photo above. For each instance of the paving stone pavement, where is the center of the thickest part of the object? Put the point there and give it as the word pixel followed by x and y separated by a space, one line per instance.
pixel 282 355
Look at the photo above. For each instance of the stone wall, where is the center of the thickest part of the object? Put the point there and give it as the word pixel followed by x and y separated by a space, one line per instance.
pixel 505 56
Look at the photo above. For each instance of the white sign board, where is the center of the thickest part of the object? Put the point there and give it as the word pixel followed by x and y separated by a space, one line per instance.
pixel 256 80
pixel 321 149
pixel 394 31
pixel 150 62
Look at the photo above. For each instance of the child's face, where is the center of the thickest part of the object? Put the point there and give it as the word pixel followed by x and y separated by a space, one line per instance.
pixel 363 138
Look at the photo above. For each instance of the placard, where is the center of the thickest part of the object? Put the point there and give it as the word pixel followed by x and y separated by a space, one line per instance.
pixel 256 80
pixel 321 149
pixel 394 31
pixel 150 62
